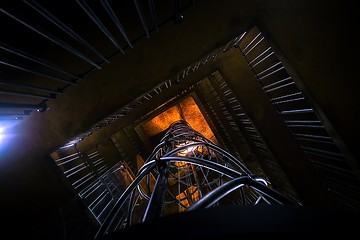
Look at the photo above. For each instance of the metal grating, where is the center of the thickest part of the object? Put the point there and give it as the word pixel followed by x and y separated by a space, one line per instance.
pixel 302 118
pixel 244 129
pixel 75 168
pixel 88 34
pixel 96 183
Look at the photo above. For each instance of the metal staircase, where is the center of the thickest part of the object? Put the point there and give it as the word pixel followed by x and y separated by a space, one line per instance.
pixel 309 126
pixel 191 173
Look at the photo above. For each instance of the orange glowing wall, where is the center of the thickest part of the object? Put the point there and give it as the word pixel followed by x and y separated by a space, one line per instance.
pixel 186 110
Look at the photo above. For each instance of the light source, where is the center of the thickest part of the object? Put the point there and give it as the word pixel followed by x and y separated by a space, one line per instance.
pixel 186 147
pixel 2 129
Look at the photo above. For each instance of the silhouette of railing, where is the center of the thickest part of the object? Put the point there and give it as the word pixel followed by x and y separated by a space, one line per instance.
pixel 191 173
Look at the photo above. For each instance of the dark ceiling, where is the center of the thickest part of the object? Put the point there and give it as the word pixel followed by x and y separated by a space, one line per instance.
pixel 79 62
pixel 48 47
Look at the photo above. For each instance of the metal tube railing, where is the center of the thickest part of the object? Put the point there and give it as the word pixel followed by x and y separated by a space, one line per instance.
pixel 141 16
pixel 180 155
pixel 49 36
pixel 36 59
pixel 37 7
pixel 29 86
pixel 116 20
pixel 98 23
pixel 34 71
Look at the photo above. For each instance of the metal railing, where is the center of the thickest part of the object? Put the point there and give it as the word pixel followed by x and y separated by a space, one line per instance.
pixel 246 135
pixel 54 26
pixel 90 176
pixel 191 173
pixel 335 164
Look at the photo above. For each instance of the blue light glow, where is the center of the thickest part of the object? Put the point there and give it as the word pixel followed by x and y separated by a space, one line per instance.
pixel 1 134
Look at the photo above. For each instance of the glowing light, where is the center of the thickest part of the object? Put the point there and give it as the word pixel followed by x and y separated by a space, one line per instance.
pixel 187 110
pixel 187 150
pixel 2 135
pixel 6 134
pixel 2 129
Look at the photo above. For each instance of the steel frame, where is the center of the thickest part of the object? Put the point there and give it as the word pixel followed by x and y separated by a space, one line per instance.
pixel 189 172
